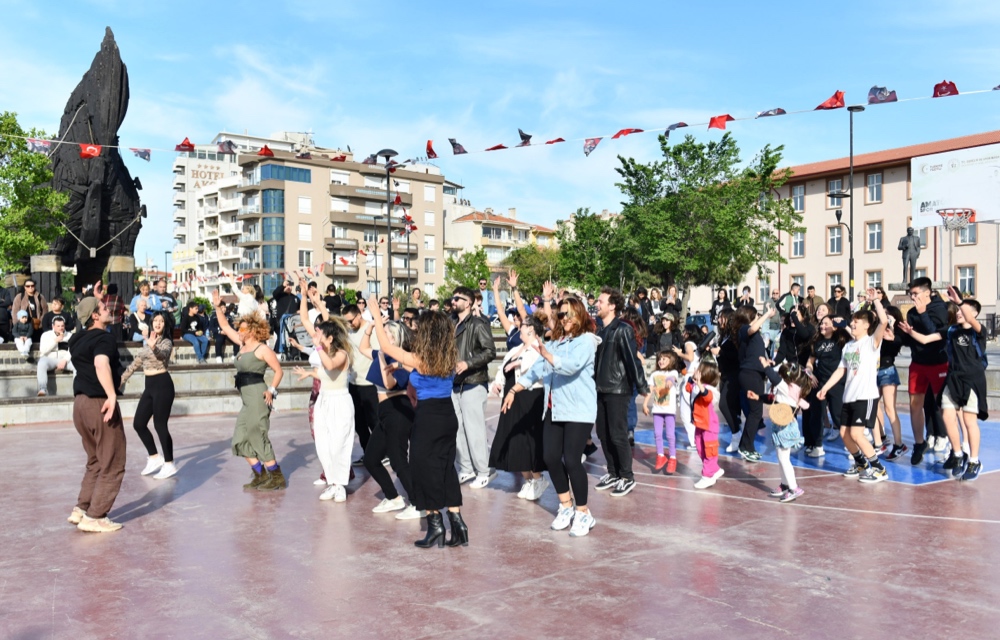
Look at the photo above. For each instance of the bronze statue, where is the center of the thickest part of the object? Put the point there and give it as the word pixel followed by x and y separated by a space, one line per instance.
pixel 910 246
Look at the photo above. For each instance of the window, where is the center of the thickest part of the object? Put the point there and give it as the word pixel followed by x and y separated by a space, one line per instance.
pixel 874 232
pixel 430 193
pixel 923 237
pixel 496 233
pixel 428 218
pixel 305 232
pixel 522 235
pixel 966 235
pixel 274 229
pixel 874 279
pixel 305 204
pixel 339 204
pixel 270 281
pixel 833 186
pixel 765 290
pixel 833 280
pixel 339 232
pixel 374 182
pixel 798 244
pixel 402 186
pixel 371 236
pixel 373 288
pixel 281 172
pixel 543 241
pixel 274 256
pixel 305 259
pixel 273 200
pixel 495 255
pixel 799 280
pixel 835 241
pixel 373 209
pixel 874 187
pixel 967 280
pixel 429 265
pixel 799 197
pixel 339 177
pixel 429 243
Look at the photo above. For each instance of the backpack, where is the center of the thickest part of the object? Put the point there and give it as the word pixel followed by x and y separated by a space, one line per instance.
pixel 951 349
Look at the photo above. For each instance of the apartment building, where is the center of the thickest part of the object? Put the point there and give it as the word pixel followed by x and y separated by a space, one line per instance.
pixel 883 205
pixel 498 235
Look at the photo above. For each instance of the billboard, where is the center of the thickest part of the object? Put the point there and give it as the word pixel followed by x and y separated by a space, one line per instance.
pixel 966 178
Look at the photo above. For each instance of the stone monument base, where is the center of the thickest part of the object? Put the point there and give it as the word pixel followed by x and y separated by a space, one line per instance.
pixel 937 285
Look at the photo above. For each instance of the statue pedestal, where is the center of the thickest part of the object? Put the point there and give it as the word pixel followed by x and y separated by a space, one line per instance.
pixel 46 271
pixel 121 271
pixel 937 285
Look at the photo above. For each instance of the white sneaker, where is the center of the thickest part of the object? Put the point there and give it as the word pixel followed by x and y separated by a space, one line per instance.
pixel 538 488
pixel 153 464
pixel 930 440
pixel 564 518
pixel 816 452
pixel 465 477
pixel 410 513
pixel 329 493
pixel 76 515
pixel 734 444
pixel 940 445
pixel 98 525
pixel 339 493
pixel 526 489
pixel 481 481
pixel 168 469
pixel 718 474
pixel 218 360
pixel 705 482
pixel 582 524
pixel 319 482
pixel 388 505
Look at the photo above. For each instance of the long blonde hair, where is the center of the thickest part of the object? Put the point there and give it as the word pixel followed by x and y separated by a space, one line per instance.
pixel 336 328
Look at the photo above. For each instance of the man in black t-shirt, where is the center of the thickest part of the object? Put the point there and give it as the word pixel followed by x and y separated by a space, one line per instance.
pixel 333 301
pixel 96 415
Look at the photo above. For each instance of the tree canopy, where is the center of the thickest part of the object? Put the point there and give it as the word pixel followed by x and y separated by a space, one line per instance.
pixel 30 211
pixel 466 270
pixel 534 265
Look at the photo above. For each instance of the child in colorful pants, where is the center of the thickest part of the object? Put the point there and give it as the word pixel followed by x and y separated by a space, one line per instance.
pixel 704 396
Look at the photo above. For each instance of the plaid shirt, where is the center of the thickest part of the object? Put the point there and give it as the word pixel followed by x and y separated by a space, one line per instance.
pixel 116 307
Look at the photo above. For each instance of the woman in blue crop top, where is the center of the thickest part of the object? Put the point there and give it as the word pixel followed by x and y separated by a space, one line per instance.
pixel 435 426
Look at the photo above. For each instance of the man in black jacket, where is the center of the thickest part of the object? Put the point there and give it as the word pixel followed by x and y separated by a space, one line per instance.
pixel 929 362
pixel 840 305
pixel 474 340
pixel 617 370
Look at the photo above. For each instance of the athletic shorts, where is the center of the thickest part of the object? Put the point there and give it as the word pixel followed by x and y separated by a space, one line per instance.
pixel 922 375
pixel 860 414
pixel 888 377
pixel 972 406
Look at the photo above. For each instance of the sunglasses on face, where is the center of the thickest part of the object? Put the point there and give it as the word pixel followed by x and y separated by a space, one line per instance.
pixel 565 314
pixel 408 318
pixel 383 302
pixel 459 298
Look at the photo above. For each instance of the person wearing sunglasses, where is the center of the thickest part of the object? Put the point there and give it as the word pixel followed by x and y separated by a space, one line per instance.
pixel 489 308
pixel 33 302
pixel 476 350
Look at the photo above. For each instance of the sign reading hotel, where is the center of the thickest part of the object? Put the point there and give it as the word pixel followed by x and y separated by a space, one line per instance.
pixel 966 179
pixel 204 174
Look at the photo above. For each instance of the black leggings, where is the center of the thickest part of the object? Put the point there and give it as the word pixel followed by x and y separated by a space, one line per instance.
pixel 812 418
pixel 730 404
pixel 365 399
pixel 751 380
pixel 220 346
pixel 391 437
pixel 563 444
pixel 156 401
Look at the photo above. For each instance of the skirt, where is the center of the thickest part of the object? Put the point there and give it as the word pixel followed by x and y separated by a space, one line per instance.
pixel 517 444
pixel 788 436
pixel 433 441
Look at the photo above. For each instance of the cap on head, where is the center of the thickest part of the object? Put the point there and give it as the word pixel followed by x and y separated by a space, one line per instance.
pixel 86 308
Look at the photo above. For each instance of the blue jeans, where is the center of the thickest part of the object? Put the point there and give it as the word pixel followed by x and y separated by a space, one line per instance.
pixel 633 413
pixel 200 344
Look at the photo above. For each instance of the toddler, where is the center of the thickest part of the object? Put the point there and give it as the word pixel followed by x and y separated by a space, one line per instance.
pixel 663 384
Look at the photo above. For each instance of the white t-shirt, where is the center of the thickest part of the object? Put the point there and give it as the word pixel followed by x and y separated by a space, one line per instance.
pixel 860 359
pixel 664 400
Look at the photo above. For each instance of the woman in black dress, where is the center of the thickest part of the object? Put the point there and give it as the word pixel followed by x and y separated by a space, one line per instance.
pixel 517 445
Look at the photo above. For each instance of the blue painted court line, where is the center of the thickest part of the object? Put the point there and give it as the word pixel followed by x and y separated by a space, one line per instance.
pixel 837 460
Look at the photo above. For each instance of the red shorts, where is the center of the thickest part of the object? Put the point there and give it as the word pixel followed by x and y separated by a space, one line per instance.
pixel 924 375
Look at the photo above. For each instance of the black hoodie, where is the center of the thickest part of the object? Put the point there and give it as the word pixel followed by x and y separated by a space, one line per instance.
pixel 933 320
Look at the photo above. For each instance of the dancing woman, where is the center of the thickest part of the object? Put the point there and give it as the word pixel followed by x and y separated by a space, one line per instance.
pixel 250 438
pixel 435 425
pixel 157 397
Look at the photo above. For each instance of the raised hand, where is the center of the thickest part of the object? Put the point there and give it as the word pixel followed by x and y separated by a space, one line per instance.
pixel 512 278
pixel 496 283
pixel 548 290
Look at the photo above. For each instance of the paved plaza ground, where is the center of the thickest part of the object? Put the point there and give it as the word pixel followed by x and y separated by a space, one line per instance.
pixel 199 558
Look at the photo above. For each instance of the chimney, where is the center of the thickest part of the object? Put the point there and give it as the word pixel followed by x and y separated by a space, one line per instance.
pixel 488 211
pixel 512 212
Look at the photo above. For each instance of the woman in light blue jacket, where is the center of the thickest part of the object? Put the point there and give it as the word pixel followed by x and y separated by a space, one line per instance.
pixel 566 367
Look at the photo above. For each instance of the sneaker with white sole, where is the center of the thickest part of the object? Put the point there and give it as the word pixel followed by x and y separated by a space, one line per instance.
pixel 538 488
pixel 481 481
pixel 167 470
pixel 705 482
pixel 319 482
pixel 465 477
pixel 606 482
pixel 583 522
pixel 940 444
pixel 410 513
pixel 526 489
pixel 816 452
pixel 718 474
pixel 852 471
pixel 76 515
pixel 780 491
pixel 339 493
pixel 871 475
pixel 388 505
pixel 734 444
pixel 153 464
pixel 792 494
pixel 623 488
pixel 98 525
pixel 564 517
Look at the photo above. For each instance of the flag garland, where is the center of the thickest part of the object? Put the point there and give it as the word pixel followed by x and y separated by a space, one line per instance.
pixel 143 154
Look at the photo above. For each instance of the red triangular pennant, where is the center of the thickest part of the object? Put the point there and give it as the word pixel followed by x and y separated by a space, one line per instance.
pixel 90 150
pixel 399 200
pixel 430 150
pixel 590 144
pixel 719 122
pixel 496 147
pixel 184 146
pixel 625 132
pixel 836 101
pixel 266 152
pixel 555 141
pixel 945 88
pixel 341 158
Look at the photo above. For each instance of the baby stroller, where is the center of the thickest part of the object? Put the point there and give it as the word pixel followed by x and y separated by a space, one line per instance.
pixel 291 325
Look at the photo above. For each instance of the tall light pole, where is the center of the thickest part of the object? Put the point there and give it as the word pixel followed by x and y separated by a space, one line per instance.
pixel 855 108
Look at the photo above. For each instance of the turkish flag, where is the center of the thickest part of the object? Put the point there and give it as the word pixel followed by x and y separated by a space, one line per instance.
pixel 555 141
pixel 430 150
pixel 90 150
pixel 625 132
pixel 836 101
pixel 341 158
pixel 719 122
pixel 266 152
pixel 496 147
pixel 184 146
pixel 398 200
pixel 944 89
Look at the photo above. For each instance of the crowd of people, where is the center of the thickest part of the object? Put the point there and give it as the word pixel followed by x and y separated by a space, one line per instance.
pixel 411 382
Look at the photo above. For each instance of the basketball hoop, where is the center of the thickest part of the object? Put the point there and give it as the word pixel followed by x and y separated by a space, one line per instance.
pixel 958 218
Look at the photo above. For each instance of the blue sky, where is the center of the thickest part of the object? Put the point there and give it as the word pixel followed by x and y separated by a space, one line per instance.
pixel 375 75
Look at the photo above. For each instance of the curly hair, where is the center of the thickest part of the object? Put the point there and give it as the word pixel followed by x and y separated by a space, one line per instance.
pixel 434 345
pixel 336 328
pixel 256 326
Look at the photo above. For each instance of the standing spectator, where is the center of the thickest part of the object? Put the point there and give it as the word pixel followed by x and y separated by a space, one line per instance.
pixel 813 298
pixel 96 415
pixel 862 303
pixel 333 301
pixel 617 370
pixel 489 305
pixel 384 309
pixel 53 353
pixel 362 305
pixel 116 307
pixel 476 350
pixel 284 302
pixel 790 300
pixel 720 304
pixel 194 328
pixel 416 300
pixel 363 393
pixel 643 306
pixel 840 306
pixel 772 328
pixel 146 295
pixel 671 303
pixel 34 303
pixel 745 300
pixel 22 334
pixel 168 303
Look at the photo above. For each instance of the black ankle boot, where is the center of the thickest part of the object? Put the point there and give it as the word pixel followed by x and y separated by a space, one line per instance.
pixel 459 532
pixel 435 532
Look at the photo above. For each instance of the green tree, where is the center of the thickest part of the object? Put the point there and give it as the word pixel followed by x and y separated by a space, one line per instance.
pixel 30 211
pixel 534 265
pixel 697 218
pixel 466 270
pixel 593 252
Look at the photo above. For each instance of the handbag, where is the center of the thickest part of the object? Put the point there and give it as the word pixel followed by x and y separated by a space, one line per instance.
pixel 780 414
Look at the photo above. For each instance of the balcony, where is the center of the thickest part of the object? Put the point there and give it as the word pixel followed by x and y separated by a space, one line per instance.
pixel 365 220
pixel 179 169
pixel 248 266
pixel 248 186
pixel 180 186
pixel 250 210
pixel 340 244
pixel 211 212
pixel 210 256
pixel 250 238
pixel 403 247
pixel 180 216
pixel 230 229
pixel 180 235
pixel 211 232
pixel 341 270
pixel 228 253
pixel 372 194
pixel 404 274
pixel 230 204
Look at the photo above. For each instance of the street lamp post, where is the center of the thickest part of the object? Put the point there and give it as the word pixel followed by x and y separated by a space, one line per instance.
pixel 856 108
pixel 850 244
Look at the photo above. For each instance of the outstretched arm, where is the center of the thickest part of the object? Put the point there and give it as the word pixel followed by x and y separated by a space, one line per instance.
pixel 883 320
pixel 504 321
pixel 518 302
pixel 403 357
pixel 304 308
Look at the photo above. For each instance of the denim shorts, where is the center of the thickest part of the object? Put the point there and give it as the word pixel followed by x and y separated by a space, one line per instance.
pixel 888 377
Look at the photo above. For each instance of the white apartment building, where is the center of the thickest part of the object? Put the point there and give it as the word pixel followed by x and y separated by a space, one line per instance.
pixel 498 235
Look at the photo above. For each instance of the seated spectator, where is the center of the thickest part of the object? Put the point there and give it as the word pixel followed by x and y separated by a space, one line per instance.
pixel 53 352
pixel 57 308
pixel 151 299
pixel 23 330
pixel 219 337
pixel 194 326
pixel 138 322
pixel 116 307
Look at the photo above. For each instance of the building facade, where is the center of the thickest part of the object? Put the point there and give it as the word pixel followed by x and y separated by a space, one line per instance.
pixel 498 235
